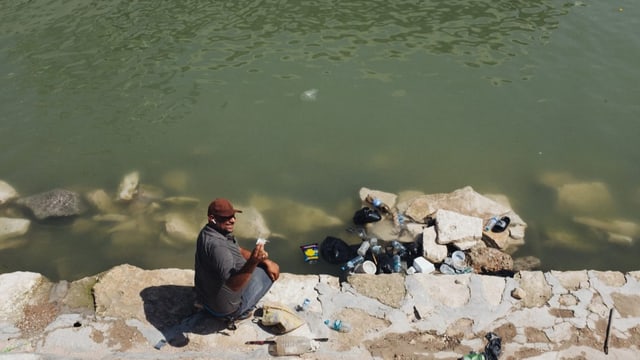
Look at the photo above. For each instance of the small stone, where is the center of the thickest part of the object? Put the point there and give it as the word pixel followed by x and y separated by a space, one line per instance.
pixel 518 293
pixel 128 187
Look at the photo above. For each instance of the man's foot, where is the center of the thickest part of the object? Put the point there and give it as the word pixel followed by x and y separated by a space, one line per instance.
pixel 231 321
pixel 245 315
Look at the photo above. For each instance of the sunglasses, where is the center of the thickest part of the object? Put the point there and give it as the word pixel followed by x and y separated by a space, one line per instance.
pixel 224 218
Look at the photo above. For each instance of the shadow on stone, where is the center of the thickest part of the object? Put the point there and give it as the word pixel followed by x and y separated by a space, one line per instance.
pixel 169 308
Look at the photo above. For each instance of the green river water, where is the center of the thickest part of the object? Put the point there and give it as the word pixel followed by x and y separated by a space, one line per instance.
pixel 411 95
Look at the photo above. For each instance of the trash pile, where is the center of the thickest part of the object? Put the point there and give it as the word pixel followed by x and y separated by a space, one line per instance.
pixel 457 233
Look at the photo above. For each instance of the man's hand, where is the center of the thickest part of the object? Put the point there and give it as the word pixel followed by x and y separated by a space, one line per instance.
pixel 272 269
pixel 258 254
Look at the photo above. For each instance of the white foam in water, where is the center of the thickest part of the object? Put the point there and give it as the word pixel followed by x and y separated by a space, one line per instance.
pixel 309 95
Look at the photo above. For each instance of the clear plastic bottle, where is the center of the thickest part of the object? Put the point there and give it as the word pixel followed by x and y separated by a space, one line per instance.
pixel 397 265
pixel 351 264
pixel 304 306
pixel 362 250
pixel 338 325
pixel 293 345
pixel 398 247
pixel 373 241
pixel 491 223
pixel 378 204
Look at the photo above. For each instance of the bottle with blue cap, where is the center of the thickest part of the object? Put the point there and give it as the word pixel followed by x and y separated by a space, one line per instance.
pixel 338 325
pixel 397 264
pixel 351 264
pixel 494 220
pixel 304 306
pixel 378 204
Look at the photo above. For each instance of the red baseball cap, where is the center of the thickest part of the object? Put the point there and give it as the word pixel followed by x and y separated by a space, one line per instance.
pixel 222 207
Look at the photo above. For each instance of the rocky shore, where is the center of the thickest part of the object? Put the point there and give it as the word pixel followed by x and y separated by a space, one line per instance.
pixel 131 313
pixel 125 312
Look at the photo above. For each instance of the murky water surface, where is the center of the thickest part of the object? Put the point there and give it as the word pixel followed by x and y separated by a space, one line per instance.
pixel 537 100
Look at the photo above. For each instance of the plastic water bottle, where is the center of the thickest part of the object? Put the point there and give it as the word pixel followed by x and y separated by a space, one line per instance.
pixel 491 223
pixel 351 264
pixel 373 241
pixel 398 247
pixel 362 250
pixel 378 204
pixel 338 325
pixel 304 306
pixel 293 345
pixel 397 266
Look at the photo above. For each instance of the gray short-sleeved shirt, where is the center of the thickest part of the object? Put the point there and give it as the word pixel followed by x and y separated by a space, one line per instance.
pixel 217 258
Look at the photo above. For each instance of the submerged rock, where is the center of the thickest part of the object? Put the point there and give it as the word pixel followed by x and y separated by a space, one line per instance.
pixel 54 203
pixel 252 224
pixel 101 201
pixel 10 227
pixel 7 192
pixel 128 187
pixel 585 198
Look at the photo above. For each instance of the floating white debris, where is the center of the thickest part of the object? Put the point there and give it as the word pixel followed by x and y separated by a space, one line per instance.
pixel 309 95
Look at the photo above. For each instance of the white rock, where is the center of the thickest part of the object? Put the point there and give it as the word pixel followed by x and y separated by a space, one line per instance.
pixel 10 227
pixel 128 187
pixel 461 230
pixel 433 251
pixel 15 289
pixel 388 199
pixel 7 192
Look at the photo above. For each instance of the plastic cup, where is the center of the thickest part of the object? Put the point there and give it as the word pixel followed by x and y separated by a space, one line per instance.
pixel 457 259
pixel 367 267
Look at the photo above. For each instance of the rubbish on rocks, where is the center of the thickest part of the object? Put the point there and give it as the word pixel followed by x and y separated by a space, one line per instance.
pixel 338 325
pixel 351 264
pixel 279 318
pixel 494 220
pixel 364 247
pixel 494 347
pixel 491 351
pixel 336 251
pixel 366 215
pixel 501 225
pixel 378 204
pixel 397 266
pixel 304 306
pixel 422 265
pixel 455 264
pixel 289 345
pixel 606 338
pixel 366 267
pixel 310 252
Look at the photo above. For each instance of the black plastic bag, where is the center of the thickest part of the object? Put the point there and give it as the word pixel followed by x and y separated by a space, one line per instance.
pixel 494 347
pixel 336 251
pixel 366 215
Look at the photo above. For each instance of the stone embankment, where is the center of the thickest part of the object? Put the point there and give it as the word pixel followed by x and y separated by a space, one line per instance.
pixel 126 311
